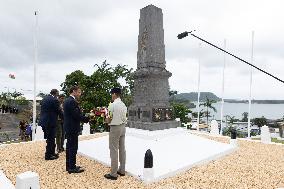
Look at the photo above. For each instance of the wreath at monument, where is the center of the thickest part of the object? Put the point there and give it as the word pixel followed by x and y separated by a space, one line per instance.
pixel 97 120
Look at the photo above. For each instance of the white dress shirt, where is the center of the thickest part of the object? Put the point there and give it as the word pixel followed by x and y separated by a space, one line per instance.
pixel 118 111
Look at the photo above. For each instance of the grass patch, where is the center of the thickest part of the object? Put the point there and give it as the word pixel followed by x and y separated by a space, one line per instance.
pixel 272 140
pixel 277 141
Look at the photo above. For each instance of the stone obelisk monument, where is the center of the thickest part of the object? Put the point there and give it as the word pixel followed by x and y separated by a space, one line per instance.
pixel 151 109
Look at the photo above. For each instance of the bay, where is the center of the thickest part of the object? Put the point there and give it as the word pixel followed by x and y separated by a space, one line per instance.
pixel 269 111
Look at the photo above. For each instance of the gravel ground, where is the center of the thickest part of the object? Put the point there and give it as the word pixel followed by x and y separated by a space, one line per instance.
pixel 253 165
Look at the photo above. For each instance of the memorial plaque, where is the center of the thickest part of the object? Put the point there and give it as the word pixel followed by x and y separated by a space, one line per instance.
pixel 162 114
pixel 132 113
pixel 146 114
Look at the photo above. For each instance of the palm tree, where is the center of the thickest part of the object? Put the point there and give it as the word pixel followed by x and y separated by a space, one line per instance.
pixel 172 95
pixel 245 117
pixel 229 125
pixel 231 119
pixel 208 104
pixel 260 121
pixel 195 114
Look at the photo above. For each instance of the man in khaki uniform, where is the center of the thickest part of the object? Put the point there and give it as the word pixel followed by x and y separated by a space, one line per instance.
pixel 118 112
pixel 59 129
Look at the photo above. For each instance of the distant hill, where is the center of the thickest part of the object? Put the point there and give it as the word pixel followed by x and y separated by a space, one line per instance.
pixel 193 96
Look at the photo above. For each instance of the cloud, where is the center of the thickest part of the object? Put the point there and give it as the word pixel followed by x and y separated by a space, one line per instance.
pixel 77 34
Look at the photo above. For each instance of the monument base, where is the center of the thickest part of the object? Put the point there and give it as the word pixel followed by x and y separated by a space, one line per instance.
pixel 153 126
pixel 174 152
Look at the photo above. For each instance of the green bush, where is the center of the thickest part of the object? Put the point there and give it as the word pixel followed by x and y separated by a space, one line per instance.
pixel 181 111
pixel 96 87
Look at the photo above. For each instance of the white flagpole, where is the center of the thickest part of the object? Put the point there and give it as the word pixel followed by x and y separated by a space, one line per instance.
pixel 198 89
pixel 35 73
pixel 250 85
pixel 223 88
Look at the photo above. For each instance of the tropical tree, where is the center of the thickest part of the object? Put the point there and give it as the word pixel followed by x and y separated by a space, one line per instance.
pixel 42 95
pixel 245 117
pixel 173 93
pixel 181 111
pixel 12 98
pixel 97 86
pixel 15 94
pixel 4 98
pixel 260 121
pixel 231 119
pixel 201 114
pixel 228 130
pixel 21 100
pixel 208 104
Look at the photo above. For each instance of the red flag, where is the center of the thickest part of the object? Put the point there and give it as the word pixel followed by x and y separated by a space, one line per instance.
pixel 12 76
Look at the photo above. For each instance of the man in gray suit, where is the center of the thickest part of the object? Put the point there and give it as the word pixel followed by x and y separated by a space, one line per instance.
pixel 118 112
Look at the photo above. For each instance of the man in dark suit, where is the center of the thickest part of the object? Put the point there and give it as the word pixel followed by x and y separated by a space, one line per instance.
pixel 72 118
pixel 49 113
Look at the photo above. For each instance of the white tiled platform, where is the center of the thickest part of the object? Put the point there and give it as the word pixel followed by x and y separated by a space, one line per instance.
pixel 174 151
pixel 5 183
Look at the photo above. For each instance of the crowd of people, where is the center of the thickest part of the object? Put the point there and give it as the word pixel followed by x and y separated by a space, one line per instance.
pixel 8 109
pixel 61 118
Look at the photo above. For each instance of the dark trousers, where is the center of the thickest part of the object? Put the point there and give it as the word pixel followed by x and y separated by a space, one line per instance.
pixel 59 141
pixel 71 150
pixel 63 136
pixel 50 141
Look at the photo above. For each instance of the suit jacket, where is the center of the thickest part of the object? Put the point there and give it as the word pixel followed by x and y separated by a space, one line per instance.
pixel 49 112
pixel 72 116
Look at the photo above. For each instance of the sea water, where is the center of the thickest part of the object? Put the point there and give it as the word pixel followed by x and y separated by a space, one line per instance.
pixel 269 111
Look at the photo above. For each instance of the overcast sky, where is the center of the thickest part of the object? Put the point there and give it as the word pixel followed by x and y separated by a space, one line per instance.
pixel 76 34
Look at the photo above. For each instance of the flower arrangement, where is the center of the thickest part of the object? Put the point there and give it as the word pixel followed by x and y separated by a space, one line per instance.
pixel 97 119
